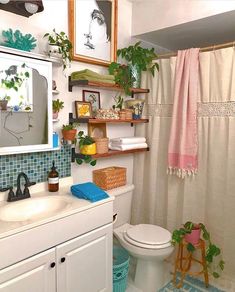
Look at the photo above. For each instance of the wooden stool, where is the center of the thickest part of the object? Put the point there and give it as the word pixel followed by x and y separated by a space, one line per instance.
pixel 183 263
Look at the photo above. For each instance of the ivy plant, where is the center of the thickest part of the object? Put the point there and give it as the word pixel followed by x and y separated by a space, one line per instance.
pixel 212 251
pixel 85 140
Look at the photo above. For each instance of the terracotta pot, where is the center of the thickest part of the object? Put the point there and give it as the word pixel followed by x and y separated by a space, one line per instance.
pixel 3 105
pixel 194 236
pixel 69 134
pixel 88 149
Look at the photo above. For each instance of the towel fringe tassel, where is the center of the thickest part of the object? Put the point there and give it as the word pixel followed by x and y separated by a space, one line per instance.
pixel 181 173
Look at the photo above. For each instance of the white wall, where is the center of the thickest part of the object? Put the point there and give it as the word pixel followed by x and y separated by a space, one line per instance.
pixel 150 15
pixel 55 15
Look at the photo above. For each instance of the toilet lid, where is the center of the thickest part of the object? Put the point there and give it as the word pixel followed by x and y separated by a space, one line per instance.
pixel 148 235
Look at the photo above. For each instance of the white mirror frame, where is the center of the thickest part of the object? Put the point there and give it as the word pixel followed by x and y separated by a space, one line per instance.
pixel 44 67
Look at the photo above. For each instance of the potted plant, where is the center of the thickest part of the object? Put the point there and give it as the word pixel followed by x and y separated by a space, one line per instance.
pixel 122 76
pixel 87 147
pixel 69 132
pixel 57 105
pixel 60 44
pixel 191 232
pixel 138 59
pixel 4 101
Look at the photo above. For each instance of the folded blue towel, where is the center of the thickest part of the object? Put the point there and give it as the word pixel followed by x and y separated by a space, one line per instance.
pixel 88 191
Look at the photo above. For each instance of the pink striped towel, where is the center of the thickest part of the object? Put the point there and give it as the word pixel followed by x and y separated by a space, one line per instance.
pixel 183 146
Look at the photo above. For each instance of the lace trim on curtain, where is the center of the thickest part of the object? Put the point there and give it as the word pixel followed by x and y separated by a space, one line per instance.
pixel 207 109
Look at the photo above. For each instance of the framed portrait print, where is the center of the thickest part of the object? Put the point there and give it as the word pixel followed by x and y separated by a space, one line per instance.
pixel 93 97
pixel 93 30
pixel 83 109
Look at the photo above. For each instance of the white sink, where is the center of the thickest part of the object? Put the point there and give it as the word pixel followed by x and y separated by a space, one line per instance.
pixel 33 208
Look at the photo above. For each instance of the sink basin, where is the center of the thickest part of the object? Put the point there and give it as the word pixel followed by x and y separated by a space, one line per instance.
pixel 33 208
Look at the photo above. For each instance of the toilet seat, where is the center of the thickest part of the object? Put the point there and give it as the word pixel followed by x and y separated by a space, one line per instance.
pixel 148 236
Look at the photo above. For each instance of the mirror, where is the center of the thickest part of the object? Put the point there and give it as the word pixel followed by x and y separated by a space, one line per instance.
pixel 25 104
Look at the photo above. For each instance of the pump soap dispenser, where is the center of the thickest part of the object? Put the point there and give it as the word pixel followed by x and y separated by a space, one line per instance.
pixel 53 179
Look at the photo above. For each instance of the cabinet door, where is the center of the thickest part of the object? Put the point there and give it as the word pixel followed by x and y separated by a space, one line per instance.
pixel 85 263
pixel 34 274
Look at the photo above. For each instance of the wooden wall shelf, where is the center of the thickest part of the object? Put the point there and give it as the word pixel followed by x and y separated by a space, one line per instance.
pixel 104 121
pixel 108 154
pixel 86 83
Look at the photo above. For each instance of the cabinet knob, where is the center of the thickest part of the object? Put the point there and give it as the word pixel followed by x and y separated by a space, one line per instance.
pixel 53 265
pixel 62 260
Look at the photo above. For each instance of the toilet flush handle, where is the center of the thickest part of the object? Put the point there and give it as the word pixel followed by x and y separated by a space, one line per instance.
pixel 115 217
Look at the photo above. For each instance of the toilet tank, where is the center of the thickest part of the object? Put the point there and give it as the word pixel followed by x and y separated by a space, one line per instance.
pixel 122 204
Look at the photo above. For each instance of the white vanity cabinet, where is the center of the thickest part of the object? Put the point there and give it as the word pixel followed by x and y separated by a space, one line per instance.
pixel 34 274
pixel 83 264
pixel 70 254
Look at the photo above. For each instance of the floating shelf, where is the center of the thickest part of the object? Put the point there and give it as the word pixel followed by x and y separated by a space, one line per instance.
pixel 86 83
pixel 108 154
pixel 55 120
pixel 104 121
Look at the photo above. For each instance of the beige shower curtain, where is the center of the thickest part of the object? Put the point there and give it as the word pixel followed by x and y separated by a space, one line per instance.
pixel 208 197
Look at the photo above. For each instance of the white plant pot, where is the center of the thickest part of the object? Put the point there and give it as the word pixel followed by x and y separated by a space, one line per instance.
pixel 53 51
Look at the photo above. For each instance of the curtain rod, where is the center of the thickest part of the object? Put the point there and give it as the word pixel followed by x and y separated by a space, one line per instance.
pixel 205 49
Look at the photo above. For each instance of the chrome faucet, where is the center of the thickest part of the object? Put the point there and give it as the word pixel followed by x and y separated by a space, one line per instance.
pixel 19 194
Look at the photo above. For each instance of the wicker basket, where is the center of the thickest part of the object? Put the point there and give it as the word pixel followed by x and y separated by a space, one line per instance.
pixel 128 114
pixel 102 145
pixel 110 177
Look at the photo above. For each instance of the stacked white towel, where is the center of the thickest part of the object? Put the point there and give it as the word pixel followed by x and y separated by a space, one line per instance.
pixel 127 143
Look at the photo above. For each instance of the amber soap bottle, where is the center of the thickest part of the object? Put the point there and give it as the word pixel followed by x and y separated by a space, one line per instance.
pixel 53 179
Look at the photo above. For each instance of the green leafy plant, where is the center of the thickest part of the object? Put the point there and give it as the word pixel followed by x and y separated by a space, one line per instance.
pixel 142 57
pixel 64 45
pixel 57 105
pixel 118 102
pixel 85 140
pixel 69 127
pixel 212 251
pixel 122 76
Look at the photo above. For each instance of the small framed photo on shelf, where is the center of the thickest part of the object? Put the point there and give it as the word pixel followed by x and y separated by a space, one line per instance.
pixel 83 109
pixel 93 97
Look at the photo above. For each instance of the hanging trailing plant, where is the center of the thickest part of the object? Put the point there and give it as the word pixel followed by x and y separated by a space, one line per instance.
pixel 84 141
pixel 64 45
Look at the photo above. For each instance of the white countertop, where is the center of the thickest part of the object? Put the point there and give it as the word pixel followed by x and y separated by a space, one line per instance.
pixel 75 205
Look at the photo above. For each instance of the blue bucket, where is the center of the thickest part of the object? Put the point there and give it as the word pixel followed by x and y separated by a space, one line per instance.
pixel 120 269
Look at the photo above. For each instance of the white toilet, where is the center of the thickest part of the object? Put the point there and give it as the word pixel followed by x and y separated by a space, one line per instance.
pixel 149 244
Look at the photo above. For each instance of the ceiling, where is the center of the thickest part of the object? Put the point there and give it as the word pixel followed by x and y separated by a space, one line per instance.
pixel 204 32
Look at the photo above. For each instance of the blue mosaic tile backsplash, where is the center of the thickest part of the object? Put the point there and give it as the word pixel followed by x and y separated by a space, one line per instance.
pixel 35 165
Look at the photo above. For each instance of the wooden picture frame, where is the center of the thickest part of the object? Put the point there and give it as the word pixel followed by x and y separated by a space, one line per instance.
pixel 83 109
pixel 93 30
pixel 93 97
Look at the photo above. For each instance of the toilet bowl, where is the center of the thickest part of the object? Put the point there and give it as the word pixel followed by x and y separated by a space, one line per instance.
pixel 150 245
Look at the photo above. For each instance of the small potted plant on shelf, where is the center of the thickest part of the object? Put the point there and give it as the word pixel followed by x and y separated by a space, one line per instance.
pixel 59 44
pixel 138 59
pixel 69 132
pixel 57 105
pixel 87 147
pixel 191 233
